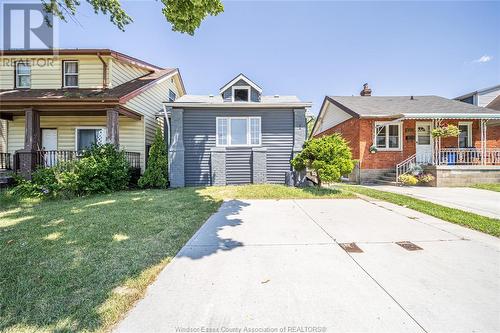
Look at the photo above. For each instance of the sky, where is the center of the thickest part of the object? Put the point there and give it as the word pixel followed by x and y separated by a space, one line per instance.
pixel 314 48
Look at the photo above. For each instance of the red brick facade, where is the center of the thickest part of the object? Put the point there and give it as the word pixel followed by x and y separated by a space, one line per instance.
pixel 359 134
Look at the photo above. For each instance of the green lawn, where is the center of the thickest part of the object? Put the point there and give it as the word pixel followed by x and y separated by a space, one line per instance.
pixel 79 265
pixel 490 187
pixel 474 221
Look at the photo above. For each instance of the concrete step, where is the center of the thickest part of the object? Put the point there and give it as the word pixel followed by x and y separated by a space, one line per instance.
pixel 388 178
pixel 386 182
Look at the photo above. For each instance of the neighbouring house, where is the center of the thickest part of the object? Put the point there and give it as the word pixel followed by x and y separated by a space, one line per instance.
pixel 55 103
pixel 487 97
pixel 390 134
pixel 236 137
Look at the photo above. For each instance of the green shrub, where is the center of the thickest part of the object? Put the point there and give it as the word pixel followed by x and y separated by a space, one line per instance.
pixel 329 157
pixel 156 174
pixel 101 169
pixel 445 131
pixel 407 179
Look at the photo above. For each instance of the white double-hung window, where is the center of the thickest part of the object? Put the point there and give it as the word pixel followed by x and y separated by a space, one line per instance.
pixel 238 131
pixel 23 74
pixel 70 74
pixel 388 136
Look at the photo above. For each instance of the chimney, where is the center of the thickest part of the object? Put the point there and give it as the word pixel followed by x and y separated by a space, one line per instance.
pixel 366 90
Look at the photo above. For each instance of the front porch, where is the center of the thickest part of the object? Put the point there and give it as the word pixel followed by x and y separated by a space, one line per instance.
pixel 43 137
pixel 472 157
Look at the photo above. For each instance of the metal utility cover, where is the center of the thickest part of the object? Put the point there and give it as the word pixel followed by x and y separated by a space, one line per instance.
pixel 351 247
pixel 409 246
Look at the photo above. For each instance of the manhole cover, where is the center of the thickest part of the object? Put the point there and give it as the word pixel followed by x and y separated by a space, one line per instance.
pixel 409 246
pixel 351 247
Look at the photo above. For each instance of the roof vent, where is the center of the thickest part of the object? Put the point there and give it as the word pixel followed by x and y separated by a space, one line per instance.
pixel 276 96
pixel 411 97
pixel 366 90
pixel 211 96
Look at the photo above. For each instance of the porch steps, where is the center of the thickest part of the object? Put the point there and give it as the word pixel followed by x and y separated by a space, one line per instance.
pixel 388 178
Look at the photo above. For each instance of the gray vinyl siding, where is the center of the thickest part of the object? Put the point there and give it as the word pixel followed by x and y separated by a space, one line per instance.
pixel 199 137
pixel 227 94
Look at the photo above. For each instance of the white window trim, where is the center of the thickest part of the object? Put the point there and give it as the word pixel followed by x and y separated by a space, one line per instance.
pixel 169 93
pixel 233 88
pixel 386 125
pixel 88 127
pixel 248 119
pixel 18 74
pixel 77 73
pixel 469 132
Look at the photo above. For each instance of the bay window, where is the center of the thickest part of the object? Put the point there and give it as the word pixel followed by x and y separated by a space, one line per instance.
pixel 388 136
pixel 238 131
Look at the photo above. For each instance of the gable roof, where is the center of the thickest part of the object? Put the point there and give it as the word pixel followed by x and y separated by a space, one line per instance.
pixel 407 107
pixel 98 52
pixel 240 76
pixel 494 104
pixel 118 94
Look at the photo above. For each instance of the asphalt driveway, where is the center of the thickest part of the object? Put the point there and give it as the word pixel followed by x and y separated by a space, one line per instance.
pixel 267 265
pixel 482 202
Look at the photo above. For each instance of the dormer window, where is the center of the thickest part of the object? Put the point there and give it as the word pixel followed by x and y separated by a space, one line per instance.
pixel 23 74
pixel 70 74
pixel 241 94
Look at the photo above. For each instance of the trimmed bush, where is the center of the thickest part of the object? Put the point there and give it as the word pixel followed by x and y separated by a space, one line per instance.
pixel 156 174
pixel 329 157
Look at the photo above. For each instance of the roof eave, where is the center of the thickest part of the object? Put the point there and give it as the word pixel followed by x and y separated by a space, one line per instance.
pixel 237 105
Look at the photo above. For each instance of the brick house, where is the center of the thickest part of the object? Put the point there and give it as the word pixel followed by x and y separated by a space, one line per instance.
pixel 389 134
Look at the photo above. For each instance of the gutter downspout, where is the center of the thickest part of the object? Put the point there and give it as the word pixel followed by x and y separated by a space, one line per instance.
pixel 104 71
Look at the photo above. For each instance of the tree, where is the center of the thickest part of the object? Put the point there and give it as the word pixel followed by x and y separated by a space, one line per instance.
pixel 329 157
pixel 184 15
pixel 156 172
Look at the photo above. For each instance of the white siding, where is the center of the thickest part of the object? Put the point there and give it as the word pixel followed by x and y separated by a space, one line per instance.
pixel 486 98
pixel 149 103
pixel 46 72
pixel 3 136
pixel 332 116
pixel 131 132
pixel 121 73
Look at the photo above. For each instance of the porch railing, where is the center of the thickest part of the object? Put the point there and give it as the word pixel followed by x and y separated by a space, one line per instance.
pixel 468 156
pixel 5 161
pixel 49 158
pixel 405 166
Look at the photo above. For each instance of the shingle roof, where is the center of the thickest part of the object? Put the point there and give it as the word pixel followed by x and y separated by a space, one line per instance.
pixel 366 106
pixel 113 94
pixel 494 104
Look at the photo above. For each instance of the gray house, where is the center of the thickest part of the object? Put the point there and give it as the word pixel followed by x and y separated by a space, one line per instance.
pixel 237 137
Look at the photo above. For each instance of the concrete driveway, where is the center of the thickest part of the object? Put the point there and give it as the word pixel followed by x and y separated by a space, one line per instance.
pixel 482 202
pixel 267 265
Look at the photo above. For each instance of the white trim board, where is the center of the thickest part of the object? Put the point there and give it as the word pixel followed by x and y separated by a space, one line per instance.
pixel 236 79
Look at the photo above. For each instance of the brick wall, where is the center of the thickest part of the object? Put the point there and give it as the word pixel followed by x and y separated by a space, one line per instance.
pixel 359 134
pixel 349 130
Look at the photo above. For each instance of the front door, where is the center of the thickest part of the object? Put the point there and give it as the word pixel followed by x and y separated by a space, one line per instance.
pixel 423 143
pixel 49 146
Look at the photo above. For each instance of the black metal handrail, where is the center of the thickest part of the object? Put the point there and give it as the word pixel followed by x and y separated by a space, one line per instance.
pixel 49 158
pixel 5 161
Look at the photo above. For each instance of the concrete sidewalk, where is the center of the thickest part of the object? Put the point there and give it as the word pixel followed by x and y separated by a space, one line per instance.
pixel 268 264
pixel 482 202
